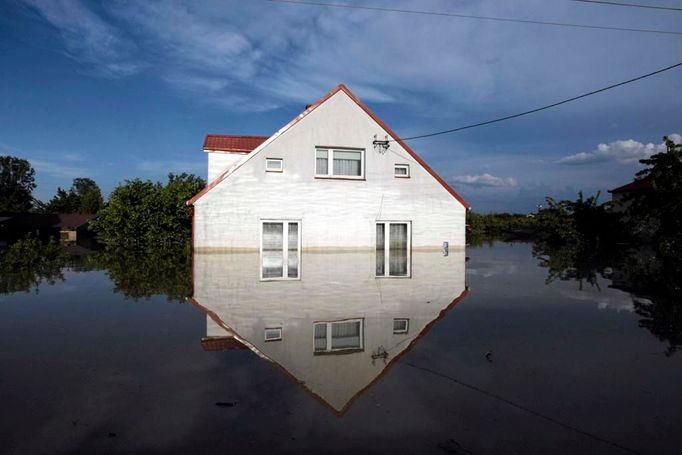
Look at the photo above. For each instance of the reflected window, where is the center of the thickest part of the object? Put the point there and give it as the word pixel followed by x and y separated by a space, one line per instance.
pixel 338 335
pixel 393 244
pixel 401 326
pixel 336 162
pixel 280 250
pixel 273 334
pixel 402 170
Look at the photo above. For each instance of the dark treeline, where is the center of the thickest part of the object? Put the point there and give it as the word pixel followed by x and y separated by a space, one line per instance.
pixel 135 274
pixel 144 229
pixel 138 214
pixel 652 217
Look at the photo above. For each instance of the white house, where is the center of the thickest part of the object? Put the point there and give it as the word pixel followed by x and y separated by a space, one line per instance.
pixel 321 183
pixel 338 329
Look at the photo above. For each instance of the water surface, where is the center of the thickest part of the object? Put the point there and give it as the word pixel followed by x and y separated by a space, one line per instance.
pixel 493 360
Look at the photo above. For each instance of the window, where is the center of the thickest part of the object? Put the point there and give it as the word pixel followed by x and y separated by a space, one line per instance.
pixel 338 335
pixel 401 325
pixel 273 334
pixel 280 250
pixel 274 165
pixel 393 249
pixel 402 170
pixel 334 162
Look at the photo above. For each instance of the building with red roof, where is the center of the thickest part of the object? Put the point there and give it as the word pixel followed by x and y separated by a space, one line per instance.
pixel 334 177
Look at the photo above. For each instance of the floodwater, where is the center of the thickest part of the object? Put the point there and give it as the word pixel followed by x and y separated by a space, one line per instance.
pixel 478 352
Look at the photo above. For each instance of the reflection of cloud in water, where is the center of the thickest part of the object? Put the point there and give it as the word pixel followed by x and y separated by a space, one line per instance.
pixel 341 328
pixel 491 269
pixel 607 299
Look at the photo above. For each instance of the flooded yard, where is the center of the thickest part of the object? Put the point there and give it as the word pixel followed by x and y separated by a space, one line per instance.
pixel 491 350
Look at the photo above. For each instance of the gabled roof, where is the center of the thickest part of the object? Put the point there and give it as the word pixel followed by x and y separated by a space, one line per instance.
pixel 308 110
pixel 637 185
pixel 232 143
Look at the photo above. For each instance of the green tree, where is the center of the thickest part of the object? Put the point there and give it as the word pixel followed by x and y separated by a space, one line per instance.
pixel 657 214
pixel 83 197
pixel 143 214
pixel 583 221
pixel 17 182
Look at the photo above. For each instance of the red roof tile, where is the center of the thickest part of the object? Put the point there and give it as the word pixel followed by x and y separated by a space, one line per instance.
pixel 232 143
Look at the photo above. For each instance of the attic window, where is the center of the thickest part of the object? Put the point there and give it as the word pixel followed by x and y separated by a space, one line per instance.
pixel 344 163
pixel 402 170
pixel 274 165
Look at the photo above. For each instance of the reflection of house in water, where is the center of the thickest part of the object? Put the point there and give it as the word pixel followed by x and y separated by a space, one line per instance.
pixel 338 328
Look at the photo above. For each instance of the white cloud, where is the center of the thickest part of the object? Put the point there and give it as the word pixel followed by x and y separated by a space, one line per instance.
pixel 264 54
pixel 57 169
pixel 623 151
pixel 88 38
pixel 487 180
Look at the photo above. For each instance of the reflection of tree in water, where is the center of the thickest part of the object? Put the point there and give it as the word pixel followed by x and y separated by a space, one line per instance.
pixel 654 283
pixel 136 274
pixel 141 274
pixel 657 285
pixel 28 263
pixel 570 262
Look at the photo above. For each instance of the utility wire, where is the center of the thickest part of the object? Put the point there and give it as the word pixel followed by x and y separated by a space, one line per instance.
pixel 632 5
pixel 470 16
pixel 522 407
pixel 549 106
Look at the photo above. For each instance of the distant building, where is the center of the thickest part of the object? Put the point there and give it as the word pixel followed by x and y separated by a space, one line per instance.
pixel 68 228
pixel 335 177
pixel 620 195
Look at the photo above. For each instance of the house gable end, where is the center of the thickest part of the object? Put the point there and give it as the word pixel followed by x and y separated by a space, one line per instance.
pixel 308 111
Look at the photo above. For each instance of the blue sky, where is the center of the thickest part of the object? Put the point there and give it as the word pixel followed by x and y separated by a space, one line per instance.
pixel 118 90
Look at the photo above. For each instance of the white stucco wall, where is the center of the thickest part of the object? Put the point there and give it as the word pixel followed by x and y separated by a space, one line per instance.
pixel 334 213
pixel 333 287
pixel 219 162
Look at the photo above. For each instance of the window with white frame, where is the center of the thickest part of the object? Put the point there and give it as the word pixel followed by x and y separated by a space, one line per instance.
pixel 274 165
pixel 338 335
pixel 280 249
pixel 401 326
pixel 393 248
pixel 401 170
pixel 339 162
pixel 273 334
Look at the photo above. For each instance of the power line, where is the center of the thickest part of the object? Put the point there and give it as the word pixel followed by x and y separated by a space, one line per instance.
pixel 521 407
pixel 509 117
pixel 470 16
pixel 632 5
